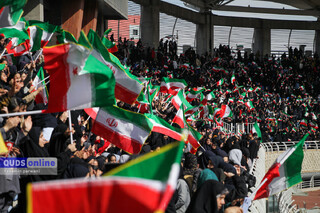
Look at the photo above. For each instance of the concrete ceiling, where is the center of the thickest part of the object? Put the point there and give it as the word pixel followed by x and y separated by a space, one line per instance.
pixel 306 7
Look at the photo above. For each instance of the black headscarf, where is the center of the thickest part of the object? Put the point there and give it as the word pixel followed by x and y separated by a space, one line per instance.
pixel 77 168
pixel 205 198
pixel 30 145
pixel 190 164
pixel 58 141
pixel 208 155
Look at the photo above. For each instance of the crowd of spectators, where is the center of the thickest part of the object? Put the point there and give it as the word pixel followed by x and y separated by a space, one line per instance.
pixel 217 176
pixel 283 90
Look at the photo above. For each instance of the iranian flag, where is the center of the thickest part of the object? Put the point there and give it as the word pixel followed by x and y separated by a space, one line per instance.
pixel 304 122
pixel 179 118
pixel 111 46
pixel 225 112
pixel 249 105
pixel 179 99
pixel 172 86
pixel 163 127
pixel 284 173
pixel 39 81
pixel 128 87
pixel 233 79
pixel 193 137
pixel 219 83
pixel 146 184
pixel 65 37
pixel 11 12
pixel 192 94
pixel 125 129
pixel 256 129
pixel 77 79
pixel 17 33
pixel 207 98
pixel 40 34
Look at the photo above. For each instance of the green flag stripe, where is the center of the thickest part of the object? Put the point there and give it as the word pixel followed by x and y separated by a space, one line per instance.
pixel 294 163
pixel 154 166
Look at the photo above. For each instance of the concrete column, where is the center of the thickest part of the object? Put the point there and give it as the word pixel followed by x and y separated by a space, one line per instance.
pixel 204 34
pixel 317 41
pixel 262 42
pixel 149 24
pixel 72 16
pixel 90 15
pixel 33 10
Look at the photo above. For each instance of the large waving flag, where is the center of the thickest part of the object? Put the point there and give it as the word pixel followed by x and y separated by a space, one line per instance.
pixel 11 12
pixel 172 86
pixel 128 87
pixel 284 173
pixel 77 79
pixel 125 129
pixel 145 184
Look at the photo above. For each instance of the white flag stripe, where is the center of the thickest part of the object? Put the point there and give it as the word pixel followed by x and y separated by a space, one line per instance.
pixel 123 127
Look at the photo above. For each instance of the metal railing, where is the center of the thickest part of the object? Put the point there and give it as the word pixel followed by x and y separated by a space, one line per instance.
pixel 310 183
pixel 282 146
pixel 258 170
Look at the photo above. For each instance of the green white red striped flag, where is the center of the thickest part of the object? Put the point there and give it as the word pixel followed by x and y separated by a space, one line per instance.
pixel 125 129
pixel 75 72
pixel 17 33
pixel 163 127
pixel 128 87
pixel 284 173
pixel 193 138
pixel 225 112
pixel 192 94
pixel 233 79
pixel 207 98
pixel 220 82
pixel 146 184
pixel 111 46
pixel 40 34
pixel 65 37
pixel 179 118
pixel 256 129
pixel 39 81
pixel 179 99
pixel 172 86
pixel 249 105
pixel 11 12
pixel 304 122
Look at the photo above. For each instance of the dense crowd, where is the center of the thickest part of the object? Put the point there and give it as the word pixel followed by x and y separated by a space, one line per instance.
pixel 283 90
pixel 283 93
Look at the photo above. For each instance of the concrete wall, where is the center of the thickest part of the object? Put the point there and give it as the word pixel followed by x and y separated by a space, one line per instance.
pixel 34 10
pixel 311 161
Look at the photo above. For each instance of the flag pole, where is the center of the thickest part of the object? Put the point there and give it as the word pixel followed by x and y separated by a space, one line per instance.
pixel 4 50
pixel 40 53
pixel 43 80
pixel 70 126
pixel 22 113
